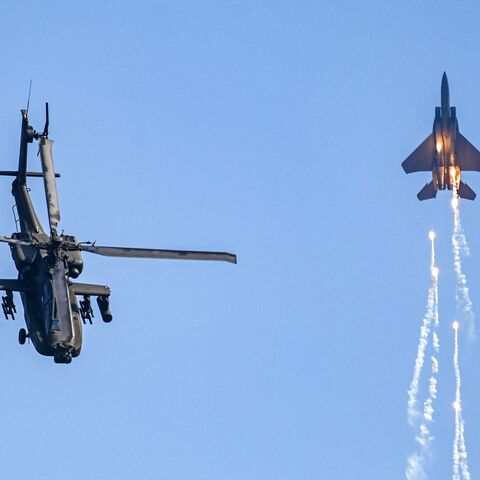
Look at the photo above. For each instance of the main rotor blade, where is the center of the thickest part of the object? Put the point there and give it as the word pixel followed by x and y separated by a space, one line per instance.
pixel 13 241
pixel 50 184
pixel 14 173
pixel 156 253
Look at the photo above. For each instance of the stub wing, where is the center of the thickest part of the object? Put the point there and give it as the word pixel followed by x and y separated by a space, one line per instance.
pixel 14 285
pixel 467 155
pixel 90 289
pixel 421 159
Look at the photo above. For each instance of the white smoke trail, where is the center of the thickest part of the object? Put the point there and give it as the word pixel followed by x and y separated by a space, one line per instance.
pixel 456 406
pixel 465 309
pixel 460 247
pixel 428 318
pixel 432 387
pixel 463 455
pixel 460 455
pixel 416 462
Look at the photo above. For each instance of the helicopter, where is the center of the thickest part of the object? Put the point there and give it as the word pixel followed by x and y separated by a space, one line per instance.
pixel 48 263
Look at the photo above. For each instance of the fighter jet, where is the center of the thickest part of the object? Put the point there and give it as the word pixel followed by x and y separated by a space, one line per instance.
pixel 445 153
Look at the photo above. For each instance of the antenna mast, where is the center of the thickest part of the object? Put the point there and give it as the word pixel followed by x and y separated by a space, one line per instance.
pixel 29 92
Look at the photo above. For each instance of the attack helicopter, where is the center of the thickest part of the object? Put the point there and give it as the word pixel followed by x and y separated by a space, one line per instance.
pixel 48 264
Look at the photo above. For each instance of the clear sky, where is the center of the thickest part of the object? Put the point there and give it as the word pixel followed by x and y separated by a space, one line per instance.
pixel 275 130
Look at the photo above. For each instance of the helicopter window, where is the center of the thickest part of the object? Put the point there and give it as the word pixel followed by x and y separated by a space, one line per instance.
pixel 50 308
pixel 55 321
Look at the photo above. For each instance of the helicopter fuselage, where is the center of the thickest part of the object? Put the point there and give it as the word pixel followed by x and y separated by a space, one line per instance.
pixel 48 264
pixel 51 309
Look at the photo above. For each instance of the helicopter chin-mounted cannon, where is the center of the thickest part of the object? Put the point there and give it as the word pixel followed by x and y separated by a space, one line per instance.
pixel 49 262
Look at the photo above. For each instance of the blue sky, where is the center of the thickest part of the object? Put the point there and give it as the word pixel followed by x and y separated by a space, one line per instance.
pixel 274 130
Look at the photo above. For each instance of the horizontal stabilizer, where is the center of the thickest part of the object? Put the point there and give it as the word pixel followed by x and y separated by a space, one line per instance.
pixel 421 159
pixel 428 191
pixel 466 192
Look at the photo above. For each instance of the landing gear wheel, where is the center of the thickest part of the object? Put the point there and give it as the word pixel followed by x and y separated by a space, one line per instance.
pixel 22 336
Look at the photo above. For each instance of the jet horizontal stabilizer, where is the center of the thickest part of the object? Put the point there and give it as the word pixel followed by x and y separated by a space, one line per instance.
pixel 427 192
pixel 466 192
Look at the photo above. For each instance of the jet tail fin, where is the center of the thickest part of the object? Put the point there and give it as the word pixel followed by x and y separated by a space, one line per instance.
pixel 428 191
pixel 466 192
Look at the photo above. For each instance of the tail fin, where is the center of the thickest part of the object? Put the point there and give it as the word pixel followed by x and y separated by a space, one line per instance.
pixel 466 192
pixel 428 191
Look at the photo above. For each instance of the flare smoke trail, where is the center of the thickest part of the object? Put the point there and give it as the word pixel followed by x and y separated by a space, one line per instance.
pixel 460 464
pixel 428 318
pixel 460 247
pixel 416 462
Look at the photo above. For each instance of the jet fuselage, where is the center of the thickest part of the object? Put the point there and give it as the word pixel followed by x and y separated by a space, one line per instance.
pixel 445 153
pixel 446 171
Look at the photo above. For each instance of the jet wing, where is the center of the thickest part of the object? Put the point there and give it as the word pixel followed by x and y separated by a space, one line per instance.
pixel 468 155
pixel 421 160
pixel 14 285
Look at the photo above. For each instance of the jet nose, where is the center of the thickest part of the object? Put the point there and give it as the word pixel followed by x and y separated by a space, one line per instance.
pixel 444 84
pixel 445 96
